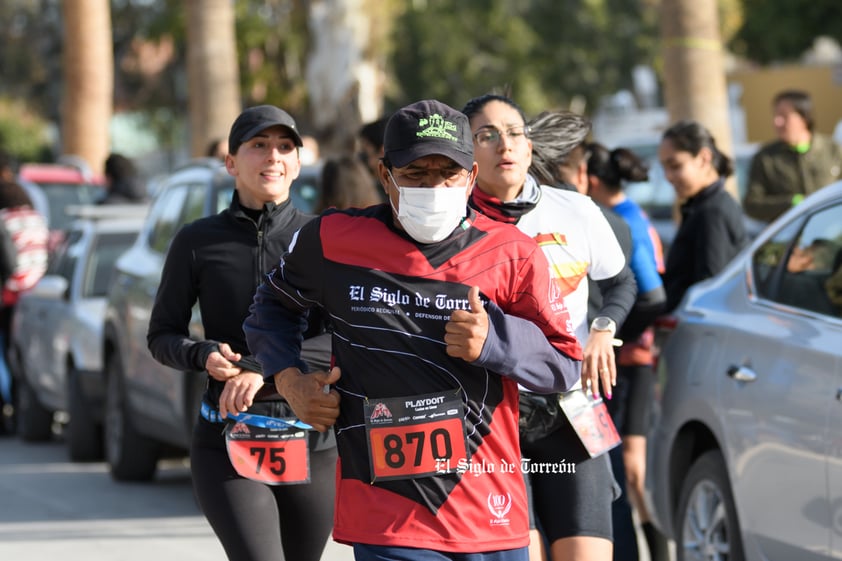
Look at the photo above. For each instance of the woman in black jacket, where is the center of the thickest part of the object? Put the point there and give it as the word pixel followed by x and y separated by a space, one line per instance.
pixel 711 232
pixel 257 512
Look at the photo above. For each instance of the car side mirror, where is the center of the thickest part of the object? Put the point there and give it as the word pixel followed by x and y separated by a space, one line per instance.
pixel 53 287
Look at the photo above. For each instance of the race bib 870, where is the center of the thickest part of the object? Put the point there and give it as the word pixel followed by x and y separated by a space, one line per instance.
pixel 416 436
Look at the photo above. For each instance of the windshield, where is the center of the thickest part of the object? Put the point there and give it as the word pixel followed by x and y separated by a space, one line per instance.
pixel 61 195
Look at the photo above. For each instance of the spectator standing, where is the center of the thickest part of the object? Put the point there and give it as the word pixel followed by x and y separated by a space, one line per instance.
pixel 28 232
pixel 631 407
pixel 573 510
pixel 711 232
pixel 217 148
pixel 438 314
pixel 258 515
pixel 122 182
pixel 801 161
pixel 346 183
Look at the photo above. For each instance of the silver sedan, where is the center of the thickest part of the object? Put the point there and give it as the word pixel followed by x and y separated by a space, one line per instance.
pixel 745 457
pixel 56 335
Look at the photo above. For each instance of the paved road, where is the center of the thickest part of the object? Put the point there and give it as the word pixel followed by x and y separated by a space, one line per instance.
pixel 51 509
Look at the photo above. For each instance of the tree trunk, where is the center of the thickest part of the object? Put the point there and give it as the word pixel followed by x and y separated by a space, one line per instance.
pixel 694 69
pixel 88 62
pixel 346 75
pixel 212 72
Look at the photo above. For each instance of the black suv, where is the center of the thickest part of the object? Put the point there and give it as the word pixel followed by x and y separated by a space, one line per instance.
pixel 150 409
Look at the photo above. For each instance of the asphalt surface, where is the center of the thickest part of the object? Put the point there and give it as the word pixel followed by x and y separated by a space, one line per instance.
pixel 52 509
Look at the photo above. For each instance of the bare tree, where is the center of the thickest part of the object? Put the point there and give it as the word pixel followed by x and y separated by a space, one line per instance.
pixel 212 71
pixel 88 63
pixel 694 68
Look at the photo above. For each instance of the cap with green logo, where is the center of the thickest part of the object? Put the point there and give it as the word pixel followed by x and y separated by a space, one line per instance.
pixel 428 128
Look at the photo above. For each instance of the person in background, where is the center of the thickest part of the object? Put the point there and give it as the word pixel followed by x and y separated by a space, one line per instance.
pixel 346 183
pixel 711 232
pixel 634 395
pixel 8 167
pixel 561 162
pixel 438 314
pixel 572 510
pixel 268 511
pixel 801 161
pixel 567 166
pixel 559 158
pixel 122 182
pixel 217 148
pixel 370 142
pixel 28 232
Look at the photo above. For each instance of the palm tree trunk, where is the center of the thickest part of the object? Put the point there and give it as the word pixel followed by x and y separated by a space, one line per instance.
pixel 88 62
pixel 212 72
pixel 694 68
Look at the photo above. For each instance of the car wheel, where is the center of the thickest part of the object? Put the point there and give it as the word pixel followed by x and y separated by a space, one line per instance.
pixel 130 455
pixel 84 434
pixel 35 422
pixel 707 526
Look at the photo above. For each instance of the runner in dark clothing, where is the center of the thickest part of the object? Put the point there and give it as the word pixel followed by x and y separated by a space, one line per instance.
pixel 219 262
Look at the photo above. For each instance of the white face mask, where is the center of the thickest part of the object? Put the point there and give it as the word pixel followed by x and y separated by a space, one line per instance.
pixel 430 214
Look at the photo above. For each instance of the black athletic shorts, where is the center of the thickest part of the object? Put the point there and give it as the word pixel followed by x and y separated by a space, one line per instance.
pixel 570 493
pixel 631 404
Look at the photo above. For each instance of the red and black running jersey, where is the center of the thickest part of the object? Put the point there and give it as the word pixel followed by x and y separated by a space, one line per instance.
pixel 388 299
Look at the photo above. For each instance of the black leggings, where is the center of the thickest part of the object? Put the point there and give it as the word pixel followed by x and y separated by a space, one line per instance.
pixel 258 522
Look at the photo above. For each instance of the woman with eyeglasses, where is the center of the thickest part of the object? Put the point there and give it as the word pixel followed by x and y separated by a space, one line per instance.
pixel 572 509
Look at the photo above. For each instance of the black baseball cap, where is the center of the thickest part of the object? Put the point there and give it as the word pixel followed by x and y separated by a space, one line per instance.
pixel 428 128
pixel 255 119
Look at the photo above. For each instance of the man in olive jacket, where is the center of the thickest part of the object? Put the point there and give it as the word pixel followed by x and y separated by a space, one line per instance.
pixel 800 162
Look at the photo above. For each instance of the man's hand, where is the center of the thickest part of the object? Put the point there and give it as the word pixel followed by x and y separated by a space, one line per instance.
pixel 466 332
pixel 598 364
pixel 310 395
pixel 219 363
pixel 239 391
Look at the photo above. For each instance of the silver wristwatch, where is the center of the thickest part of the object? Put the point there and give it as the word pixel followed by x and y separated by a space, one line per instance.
pixel 603 323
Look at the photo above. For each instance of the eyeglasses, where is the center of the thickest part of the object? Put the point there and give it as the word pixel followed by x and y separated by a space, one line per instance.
pixel 429 177
pixel 489 136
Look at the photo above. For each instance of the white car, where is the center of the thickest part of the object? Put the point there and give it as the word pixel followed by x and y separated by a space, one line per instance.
pixel 55 346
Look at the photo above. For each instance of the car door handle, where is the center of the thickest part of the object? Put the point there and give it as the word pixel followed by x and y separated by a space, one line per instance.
pixel 742 374
pixel 839 394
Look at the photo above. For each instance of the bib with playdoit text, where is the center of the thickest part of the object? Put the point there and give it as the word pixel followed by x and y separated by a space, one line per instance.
pixel 416 436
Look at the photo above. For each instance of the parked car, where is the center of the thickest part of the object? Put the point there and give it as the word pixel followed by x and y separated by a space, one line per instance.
pixel 745 456
pixel 56 328
pixel 54 187
pixel 657 196
pixel 151 408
